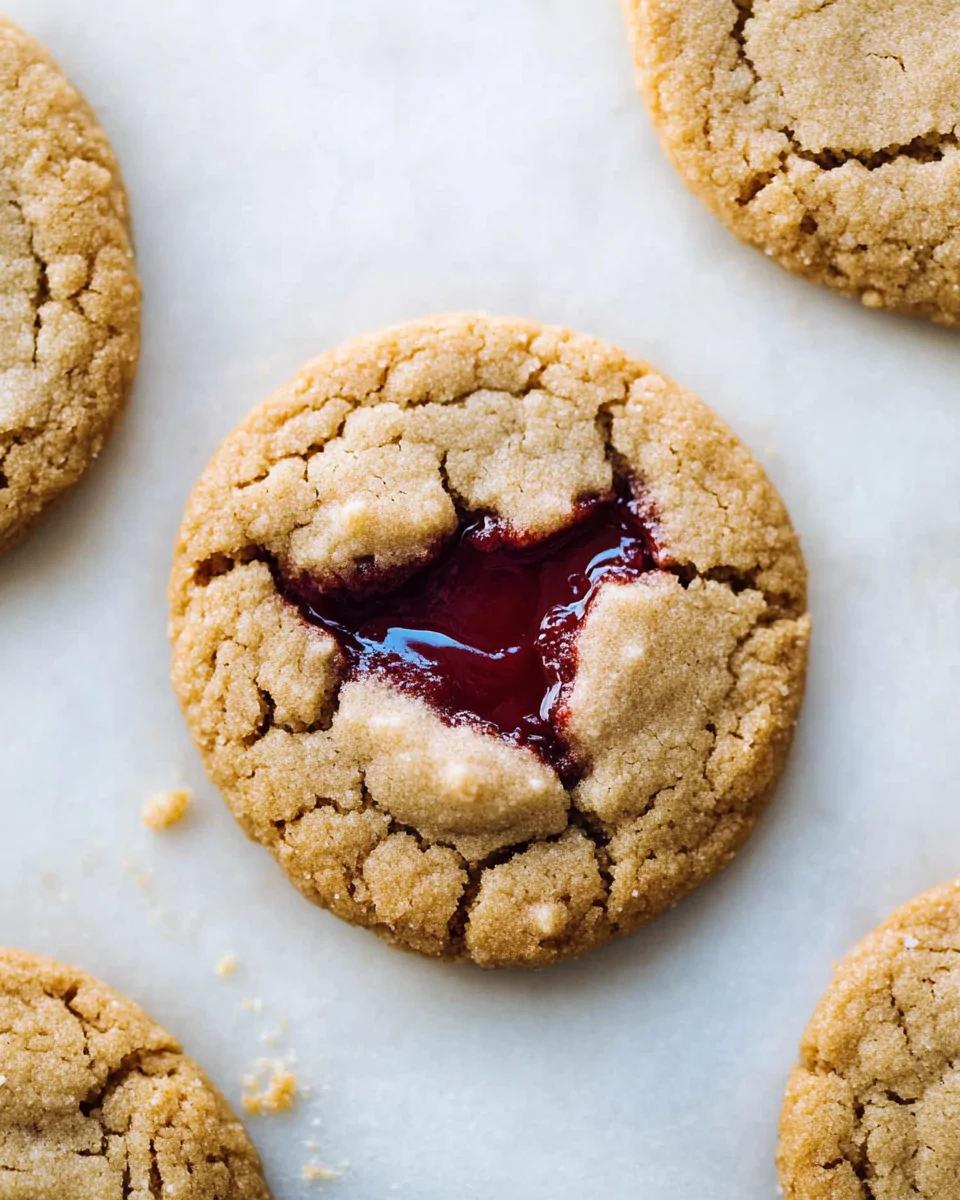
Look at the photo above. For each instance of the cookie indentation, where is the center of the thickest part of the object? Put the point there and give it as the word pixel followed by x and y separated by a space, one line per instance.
pixel 486 632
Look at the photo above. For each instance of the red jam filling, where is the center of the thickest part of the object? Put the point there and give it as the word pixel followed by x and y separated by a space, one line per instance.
pixel 486 631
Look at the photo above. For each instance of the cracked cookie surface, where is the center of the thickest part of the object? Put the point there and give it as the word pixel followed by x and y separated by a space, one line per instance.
pixel 872 1112
pixel 70 312
pixel 822 132
pixel 97 1102
pixel 437 831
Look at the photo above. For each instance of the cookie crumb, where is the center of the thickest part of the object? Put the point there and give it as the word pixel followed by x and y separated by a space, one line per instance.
pixel 277 1093
pixel 318 1172
pixel 252 1003
pixel 226 964
pixel 164 809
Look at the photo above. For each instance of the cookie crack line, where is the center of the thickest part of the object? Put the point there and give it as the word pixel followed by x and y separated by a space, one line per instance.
pixel 372 397
pixel 686 572
pixel 42 293
pixel 924 148
pixel 131 1064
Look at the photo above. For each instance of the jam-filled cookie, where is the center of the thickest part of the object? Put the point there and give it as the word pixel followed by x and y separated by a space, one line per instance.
pixel 872 1111
pixel 69 295
pixel 823 133
pixel 493 635
pixel 97 1102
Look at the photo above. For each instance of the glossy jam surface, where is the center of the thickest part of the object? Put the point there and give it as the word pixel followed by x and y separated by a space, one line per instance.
pixel 486 631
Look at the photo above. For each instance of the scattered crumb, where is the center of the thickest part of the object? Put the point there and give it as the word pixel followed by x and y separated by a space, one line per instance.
pixel 226 964
pixel 312 1145
pixel 314 1171
pixel 269 1093
pixel 164 809
pixel 142 875
pixel 252 1003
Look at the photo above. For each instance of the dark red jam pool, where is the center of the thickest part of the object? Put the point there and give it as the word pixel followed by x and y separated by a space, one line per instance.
pixel 485 632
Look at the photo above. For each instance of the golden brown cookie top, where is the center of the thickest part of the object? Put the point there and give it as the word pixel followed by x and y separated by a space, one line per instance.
pixel 873 1110
pixel 824 134
pixel 341 634
pixel 97 1102
pixel 70 312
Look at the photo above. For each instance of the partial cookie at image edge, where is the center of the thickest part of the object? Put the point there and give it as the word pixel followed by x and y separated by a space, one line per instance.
pixel 69 338
pixel 751 115
pixel 873 1107
pixel 97 1099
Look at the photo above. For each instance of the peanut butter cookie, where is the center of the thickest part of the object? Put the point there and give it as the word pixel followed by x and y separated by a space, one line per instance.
pixel 69 296
pixel 822 132
pixel 494 636
pixel 99 1103
pixel 873 1110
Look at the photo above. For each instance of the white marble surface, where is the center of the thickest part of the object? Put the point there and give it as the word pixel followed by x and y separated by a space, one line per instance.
pixel 303 170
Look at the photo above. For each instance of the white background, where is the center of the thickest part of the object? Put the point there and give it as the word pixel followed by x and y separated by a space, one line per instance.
pixel 305 170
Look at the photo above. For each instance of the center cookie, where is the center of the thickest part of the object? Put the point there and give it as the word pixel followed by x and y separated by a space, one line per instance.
pixel 494 636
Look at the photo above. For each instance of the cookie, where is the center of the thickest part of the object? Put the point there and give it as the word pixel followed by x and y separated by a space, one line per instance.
pixel 821 133
pixel 69 296
pixel 872 1112
pixel 97 1102
pixel 494 636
